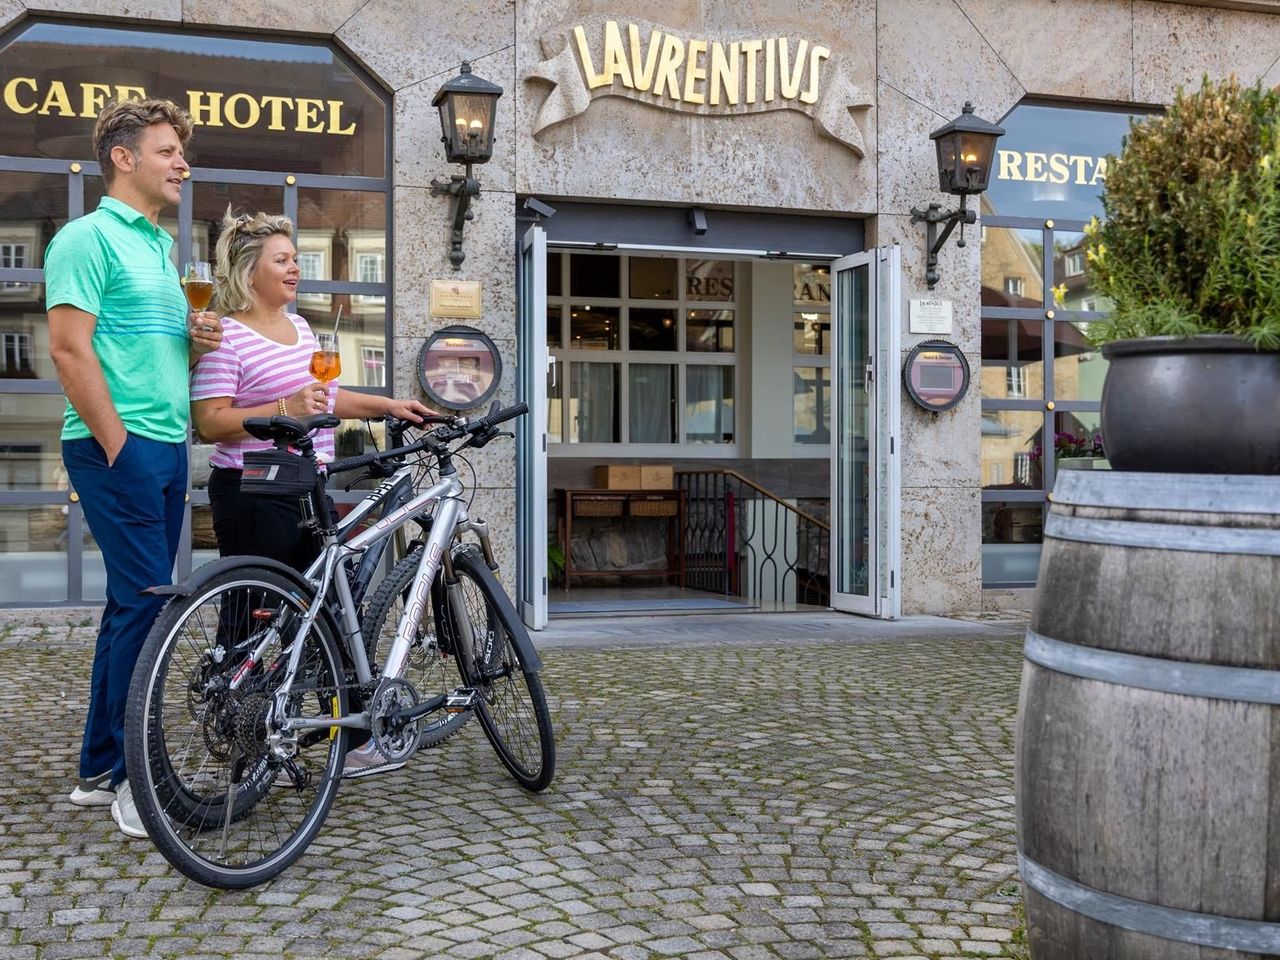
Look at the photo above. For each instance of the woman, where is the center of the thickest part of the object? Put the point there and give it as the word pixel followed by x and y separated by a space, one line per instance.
pixel 261 369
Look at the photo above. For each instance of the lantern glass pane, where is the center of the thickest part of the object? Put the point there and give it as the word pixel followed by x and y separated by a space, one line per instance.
pixel 948 161
pixel 473 121
pixel 976 151
pixel 447 128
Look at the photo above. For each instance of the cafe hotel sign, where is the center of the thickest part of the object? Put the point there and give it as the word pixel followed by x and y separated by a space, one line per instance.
pixel 56 97
pixel 674 70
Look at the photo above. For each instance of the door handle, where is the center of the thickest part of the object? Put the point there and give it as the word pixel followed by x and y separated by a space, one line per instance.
pixel 868 375
pixel 551 369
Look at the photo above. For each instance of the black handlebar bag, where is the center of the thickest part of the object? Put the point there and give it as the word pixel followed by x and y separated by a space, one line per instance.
pixel 277 473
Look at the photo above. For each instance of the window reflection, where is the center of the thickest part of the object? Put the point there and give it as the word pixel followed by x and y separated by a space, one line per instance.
pixel 1012 449
pixel 1012 359
pixel 33 554
pixel 1078 366
pixel 1012 268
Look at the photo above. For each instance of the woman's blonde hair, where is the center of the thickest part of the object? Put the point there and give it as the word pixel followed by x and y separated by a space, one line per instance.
pixel 238 251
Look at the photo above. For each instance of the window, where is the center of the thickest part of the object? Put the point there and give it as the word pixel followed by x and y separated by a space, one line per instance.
pixel 811 355
pixel 1089 304
pixel 16 354
pixel 1075 263
pixel 1016 382
pixel 1014 286
pixel 369 267
pixel 373 369
pixel 647 346
pixel 311 264
pixel 14 256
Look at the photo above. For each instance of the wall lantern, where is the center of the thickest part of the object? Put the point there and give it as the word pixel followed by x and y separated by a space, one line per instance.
pixel 466 104
pixel 966 147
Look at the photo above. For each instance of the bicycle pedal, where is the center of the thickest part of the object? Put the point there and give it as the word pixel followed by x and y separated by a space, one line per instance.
pixel 460 701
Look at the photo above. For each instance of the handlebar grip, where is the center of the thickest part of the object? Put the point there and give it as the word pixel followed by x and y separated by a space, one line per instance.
pixel 509 413
pixel 352 463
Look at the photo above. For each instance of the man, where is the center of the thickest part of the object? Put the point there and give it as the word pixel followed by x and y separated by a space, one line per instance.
pixel 119 337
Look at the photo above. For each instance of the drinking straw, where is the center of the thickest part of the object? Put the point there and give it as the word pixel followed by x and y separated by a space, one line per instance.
pixel 335 323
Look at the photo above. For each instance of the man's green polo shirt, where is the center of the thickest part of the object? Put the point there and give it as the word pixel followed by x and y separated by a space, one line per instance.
pixel 114 263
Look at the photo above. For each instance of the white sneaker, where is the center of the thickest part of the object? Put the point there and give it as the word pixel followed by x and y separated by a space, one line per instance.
pixel 93 791
pixel 367 759
pixel 125 814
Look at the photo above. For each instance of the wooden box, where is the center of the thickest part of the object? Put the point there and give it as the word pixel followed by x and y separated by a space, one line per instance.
pixel 614 476
pixel 657 476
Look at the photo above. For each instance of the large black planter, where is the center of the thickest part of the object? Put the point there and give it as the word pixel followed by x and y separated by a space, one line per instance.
pixel 1207 404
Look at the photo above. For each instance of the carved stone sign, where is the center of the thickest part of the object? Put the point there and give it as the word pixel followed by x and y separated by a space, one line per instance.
pixel 709 77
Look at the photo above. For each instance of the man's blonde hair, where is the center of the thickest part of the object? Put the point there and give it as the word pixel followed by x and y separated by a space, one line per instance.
pixel 120 124
pixel 238 251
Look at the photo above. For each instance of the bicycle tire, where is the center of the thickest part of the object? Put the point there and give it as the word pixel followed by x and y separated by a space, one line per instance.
pixel 427 666
pixel 190 741
pixel 512 704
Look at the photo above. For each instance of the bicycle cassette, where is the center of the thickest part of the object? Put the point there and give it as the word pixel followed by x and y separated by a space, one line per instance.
pixel 397 743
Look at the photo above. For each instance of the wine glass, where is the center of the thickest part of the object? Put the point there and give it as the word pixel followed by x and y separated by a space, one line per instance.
pixel 197 284
pixel 326 365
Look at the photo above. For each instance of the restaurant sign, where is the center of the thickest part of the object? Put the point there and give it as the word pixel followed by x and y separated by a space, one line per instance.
pixel 641 61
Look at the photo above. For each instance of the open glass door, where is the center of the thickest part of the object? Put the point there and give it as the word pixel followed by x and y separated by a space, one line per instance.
pixel 531 430
pixel 865 417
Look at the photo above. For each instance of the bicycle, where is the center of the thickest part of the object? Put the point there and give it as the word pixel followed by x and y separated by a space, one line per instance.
pixel 254 674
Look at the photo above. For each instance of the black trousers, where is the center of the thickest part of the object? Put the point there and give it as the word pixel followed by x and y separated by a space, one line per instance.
pixel 262 526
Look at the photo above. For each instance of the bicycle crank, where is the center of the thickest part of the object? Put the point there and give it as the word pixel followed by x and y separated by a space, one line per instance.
pixel 394 734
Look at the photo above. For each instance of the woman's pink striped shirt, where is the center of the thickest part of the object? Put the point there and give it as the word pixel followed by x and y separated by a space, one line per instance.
pixel 253 370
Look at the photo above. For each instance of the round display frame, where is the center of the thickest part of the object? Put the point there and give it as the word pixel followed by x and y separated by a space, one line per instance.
pixel 461 375
pixel 928 397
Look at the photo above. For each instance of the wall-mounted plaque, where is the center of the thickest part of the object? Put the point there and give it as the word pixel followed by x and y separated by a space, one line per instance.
pixel 930 315
pixel 455 298
pixel 459 368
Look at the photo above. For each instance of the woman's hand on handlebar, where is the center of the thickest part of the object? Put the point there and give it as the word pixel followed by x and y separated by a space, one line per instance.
pixel 410 410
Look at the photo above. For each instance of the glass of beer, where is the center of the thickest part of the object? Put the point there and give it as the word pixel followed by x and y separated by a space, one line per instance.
pixel 326 365
pixel 197 284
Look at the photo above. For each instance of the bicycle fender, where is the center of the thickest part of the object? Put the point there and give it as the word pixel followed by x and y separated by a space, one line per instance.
pixel 221 565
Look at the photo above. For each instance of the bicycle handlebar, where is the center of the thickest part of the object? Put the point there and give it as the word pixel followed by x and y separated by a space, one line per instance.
pixel 458 427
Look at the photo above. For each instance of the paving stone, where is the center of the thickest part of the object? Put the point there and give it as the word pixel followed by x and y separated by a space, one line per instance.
pixel 712 832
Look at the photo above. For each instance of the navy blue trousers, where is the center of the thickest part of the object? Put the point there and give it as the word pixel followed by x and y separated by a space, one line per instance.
pixel 134 508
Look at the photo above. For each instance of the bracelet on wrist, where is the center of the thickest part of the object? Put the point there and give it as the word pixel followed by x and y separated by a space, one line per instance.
pixel 280 404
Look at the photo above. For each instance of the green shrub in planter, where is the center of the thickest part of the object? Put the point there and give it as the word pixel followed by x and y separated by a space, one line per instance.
pixel 1191 240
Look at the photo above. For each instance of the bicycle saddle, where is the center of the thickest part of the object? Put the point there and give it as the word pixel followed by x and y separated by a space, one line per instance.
pixel 288 429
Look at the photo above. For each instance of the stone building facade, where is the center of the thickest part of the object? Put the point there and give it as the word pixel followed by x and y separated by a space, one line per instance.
pixel 900 68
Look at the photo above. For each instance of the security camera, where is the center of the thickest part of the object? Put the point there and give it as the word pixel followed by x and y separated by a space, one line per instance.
pixel 538 207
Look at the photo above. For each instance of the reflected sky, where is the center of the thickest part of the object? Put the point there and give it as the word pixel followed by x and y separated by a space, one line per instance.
pixel 1043 144
pixel 190 44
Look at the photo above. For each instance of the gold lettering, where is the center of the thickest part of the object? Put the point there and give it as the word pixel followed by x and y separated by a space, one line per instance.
pixel 693 72
pixel 58 99
pixel 335 119
pixel 1035 167
pixel 205 108
pixel 276 107
pixel 751 50
pixel 1099 172
pixel 11 94
pixel 252 115
pixel 724 71
pixel 1010 163
pixel 1079 162
pixel 816 55
pixel 584 56
pixel 667 78
pixel 308 115
pixel 124 92
pixel 770 56
pixel 791 75
pixel 615 58
pixel 93 96
pixel 1058 172
pixel 642 71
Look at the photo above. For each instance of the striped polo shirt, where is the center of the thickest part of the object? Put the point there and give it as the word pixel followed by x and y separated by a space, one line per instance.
pixel 114 264
pixel 252 370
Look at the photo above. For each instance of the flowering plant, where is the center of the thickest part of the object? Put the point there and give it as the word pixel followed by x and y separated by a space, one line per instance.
pixel 1072 445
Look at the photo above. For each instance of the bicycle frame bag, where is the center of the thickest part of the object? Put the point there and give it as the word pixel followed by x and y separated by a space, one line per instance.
pixel 277 473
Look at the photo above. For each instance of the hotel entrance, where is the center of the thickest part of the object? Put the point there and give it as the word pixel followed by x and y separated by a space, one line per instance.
pixel 696 405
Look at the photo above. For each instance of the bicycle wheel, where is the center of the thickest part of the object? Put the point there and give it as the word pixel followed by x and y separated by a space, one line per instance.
pixel 227 796
pixel 428 665
pixel 512 705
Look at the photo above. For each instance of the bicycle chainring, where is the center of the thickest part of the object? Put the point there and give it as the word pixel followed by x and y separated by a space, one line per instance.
pixel 394 694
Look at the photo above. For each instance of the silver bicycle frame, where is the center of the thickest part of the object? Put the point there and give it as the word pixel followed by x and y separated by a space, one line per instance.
pixel 450 515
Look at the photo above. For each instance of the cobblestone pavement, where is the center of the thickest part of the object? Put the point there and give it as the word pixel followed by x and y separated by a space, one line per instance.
pixel 748 799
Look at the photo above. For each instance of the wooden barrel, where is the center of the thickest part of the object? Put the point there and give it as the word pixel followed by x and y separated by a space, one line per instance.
pixel 1148 748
